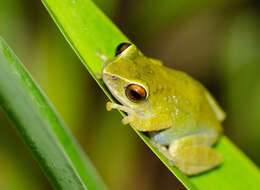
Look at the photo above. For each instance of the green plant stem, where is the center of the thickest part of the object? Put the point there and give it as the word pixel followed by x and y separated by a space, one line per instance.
pixel 56 151
pixel 90 33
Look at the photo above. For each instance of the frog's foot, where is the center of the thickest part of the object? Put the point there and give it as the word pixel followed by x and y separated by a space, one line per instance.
pixel 162 149
pixel 101 56
pixel 127 119
pixel 192 156
pixel 130 113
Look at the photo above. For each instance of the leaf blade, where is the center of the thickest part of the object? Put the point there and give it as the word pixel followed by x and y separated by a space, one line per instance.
pixel 42 130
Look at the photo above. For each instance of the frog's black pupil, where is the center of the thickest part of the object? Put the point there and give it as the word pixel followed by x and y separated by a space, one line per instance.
pixel 135 95
pixel 121 47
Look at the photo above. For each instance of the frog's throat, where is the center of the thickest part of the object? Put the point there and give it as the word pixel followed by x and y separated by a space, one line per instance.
pixel 130 113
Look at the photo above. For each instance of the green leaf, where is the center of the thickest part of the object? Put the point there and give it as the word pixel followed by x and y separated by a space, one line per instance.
pixel 90 32
pixel 45 134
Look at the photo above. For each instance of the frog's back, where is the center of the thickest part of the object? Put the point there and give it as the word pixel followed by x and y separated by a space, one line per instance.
pixel 185 99
pixel 191 101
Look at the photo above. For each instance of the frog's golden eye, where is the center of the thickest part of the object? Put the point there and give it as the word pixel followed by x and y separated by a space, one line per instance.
pixel 122 47
pixel 135 92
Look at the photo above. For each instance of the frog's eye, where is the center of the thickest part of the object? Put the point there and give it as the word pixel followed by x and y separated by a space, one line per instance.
pixel 122 47
pixel 135 92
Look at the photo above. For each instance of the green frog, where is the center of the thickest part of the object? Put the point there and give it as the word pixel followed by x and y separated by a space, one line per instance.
pixel 181 117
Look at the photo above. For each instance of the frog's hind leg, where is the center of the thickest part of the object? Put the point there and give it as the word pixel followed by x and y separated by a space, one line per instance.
pixel 162 149
pixel 193 154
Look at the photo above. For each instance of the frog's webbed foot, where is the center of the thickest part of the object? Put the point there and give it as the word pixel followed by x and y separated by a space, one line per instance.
pixel 130 113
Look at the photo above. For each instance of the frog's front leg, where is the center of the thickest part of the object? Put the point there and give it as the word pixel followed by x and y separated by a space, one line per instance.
pixel 193 154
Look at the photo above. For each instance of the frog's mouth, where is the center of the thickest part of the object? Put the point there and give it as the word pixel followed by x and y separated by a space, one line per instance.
pixel 130 113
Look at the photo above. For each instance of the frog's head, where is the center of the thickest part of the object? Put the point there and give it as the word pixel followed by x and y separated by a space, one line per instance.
pixel 130 76
pixel 120 75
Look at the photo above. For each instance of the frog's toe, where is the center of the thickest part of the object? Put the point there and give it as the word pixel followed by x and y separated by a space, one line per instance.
pixel 111 105
pixel 108 106
pixel 162 149
pixel 127 119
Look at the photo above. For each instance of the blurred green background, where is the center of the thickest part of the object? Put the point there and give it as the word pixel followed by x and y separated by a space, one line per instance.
pixel 215 41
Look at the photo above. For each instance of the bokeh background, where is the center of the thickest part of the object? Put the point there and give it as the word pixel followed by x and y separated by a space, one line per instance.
pixel 215 41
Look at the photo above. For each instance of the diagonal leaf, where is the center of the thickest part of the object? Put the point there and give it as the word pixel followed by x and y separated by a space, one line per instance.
pixel 45 134
pixel 90 32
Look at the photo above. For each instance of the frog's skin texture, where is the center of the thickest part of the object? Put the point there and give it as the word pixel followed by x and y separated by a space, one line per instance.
pixel 182 118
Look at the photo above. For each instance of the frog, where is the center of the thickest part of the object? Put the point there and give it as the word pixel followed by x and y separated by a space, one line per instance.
pixel 180 116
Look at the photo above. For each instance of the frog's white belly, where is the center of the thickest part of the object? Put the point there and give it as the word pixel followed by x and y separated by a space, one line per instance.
pixel 168 136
